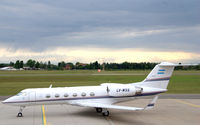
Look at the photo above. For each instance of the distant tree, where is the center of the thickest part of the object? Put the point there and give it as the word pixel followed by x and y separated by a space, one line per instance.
pixel 11 64
pixel 125 65
pixel 17 64
pixel 21 64
pixel 71 65
pixel 54 67
pixel 96 65
pixel 41 65
pixel 45 65
pixel 31 63
pixel 93 65
pixel 61 65
pixel 49 65
pixel 197 67
pixel 77 65
pixel 37 65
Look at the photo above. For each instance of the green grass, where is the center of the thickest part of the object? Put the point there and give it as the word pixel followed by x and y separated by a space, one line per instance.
pixel 11 82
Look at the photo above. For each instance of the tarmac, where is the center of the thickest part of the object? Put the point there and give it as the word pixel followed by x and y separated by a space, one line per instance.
pixel 175 111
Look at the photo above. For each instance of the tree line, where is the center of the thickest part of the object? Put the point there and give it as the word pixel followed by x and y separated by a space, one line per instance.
pixel 36 65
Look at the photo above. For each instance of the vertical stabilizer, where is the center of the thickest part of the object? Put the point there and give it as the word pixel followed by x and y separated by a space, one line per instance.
pixel 159 77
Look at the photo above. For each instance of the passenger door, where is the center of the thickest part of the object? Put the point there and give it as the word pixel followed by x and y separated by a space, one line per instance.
pixel 32 97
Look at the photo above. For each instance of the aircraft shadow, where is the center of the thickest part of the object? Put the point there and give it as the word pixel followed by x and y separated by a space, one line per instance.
pixel 122 117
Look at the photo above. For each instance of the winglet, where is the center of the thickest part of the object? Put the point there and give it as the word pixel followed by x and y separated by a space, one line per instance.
pixel 152 103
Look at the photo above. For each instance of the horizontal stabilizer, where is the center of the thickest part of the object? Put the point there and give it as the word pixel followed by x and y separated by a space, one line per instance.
pixel 173 65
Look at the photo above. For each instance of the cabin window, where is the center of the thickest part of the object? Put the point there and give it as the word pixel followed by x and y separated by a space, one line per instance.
pixel 48 96
pixel 74 94
pixel 66 95
pixel 57 95
pixel 92 94
pixel 83 94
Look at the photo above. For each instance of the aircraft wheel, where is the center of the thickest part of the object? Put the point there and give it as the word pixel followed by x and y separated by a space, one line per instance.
pixel 106 113
pixel 99 110
pixel 19 114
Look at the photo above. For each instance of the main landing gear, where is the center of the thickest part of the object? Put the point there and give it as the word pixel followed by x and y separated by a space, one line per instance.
pixel 99 110
pixel 20 111
pixel 104 111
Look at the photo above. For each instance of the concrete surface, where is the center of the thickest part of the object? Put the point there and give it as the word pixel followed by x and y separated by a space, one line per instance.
pixel 166 112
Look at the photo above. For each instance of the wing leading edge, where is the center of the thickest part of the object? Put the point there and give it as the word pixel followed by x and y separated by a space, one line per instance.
pixel 109 106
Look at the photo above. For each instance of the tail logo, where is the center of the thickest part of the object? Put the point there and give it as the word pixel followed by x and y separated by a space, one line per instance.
pixel 161 71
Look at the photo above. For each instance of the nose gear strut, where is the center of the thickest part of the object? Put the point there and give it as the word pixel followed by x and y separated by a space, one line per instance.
pixel 20 111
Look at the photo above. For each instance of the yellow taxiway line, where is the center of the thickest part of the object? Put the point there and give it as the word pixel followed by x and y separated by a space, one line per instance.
pixel 187 103
pixel 43 116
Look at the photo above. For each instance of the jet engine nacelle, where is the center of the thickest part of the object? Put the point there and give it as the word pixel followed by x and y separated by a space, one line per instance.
pixel 123 90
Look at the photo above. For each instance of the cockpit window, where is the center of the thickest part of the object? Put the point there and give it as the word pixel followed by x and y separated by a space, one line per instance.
pixel 21 94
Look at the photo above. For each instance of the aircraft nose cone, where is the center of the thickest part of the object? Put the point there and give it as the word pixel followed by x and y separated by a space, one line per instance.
pixel 6 101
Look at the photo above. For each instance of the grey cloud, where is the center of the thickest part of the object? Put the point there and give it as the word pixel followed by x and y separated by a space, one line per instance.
pixel 162 40
pixel 37 24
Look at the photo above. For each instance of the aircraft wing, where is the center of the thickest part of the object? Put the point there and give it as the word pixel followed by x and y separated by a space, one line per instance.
pixel 109 106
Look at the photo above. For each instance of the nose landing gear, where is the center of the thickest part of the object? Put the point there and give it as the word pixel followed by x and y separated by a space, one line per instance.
pixel 20 111
pixel 19 114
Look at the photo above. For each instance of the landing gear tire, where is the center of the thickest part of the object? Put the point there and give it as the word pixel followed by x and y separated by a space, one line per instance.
pixel 99 110
pixel 106 113
pixel 20 111
pixel 19 114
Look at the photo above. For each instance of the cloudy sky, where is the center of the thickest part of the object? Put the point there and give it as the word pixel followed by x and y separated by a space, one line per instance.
pixel 103 30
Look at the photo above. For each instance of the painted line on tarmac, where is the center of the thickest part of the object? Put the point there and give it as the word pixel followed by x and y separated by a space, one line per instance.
pixel 187 103
pixel 109 120
pixel 43 116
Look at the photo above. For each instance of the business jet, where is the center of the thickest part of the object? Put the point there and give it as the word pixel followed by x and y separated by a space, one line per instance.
pixel 102 97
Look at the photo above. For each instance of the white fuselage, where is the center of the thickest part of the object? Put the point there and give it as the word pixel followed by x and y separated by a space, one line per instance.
pixel 106 93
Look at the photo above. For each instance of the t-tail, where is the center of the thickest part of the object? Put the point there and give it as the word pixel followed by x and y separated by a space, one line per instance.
pixel 159 77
